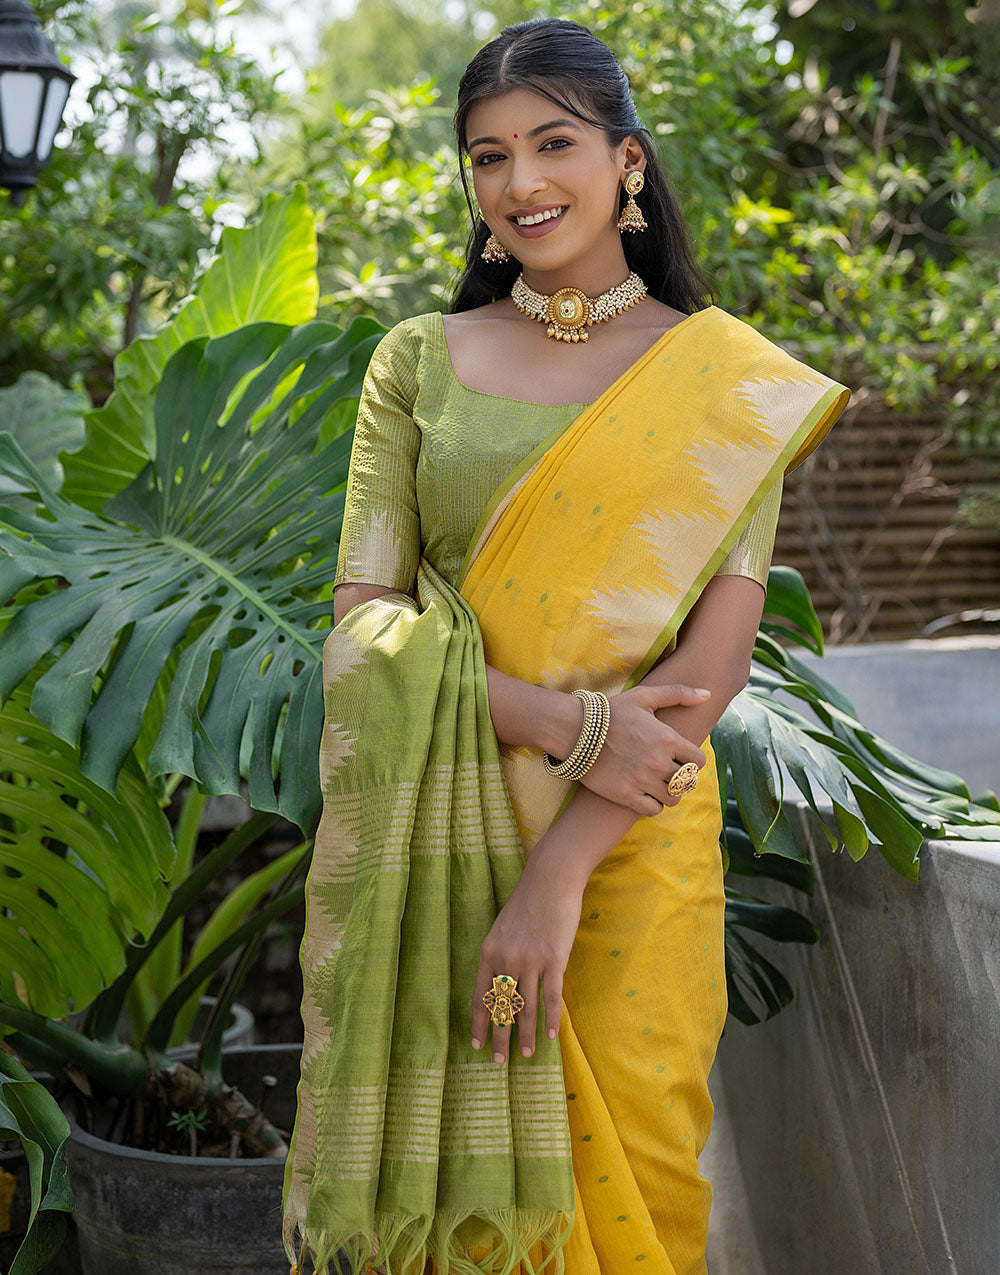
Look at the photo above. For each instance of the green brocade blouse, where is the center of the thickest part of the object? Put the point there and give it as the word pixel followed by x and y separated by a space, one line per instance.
pixel 429 452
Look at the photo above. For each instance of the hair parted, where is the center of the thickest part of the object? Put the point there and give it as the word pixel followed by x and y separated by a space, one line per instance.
pixel 568 64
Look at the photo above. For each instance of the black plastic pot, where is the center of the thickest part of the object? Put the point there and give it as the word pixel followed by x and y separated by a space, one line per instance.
pixel 146 1213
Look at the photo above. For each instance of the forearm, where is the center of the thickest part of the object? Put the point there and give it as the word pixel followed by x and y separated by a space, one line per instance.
pixel 695 721
pixel 591 826
pixel 530 716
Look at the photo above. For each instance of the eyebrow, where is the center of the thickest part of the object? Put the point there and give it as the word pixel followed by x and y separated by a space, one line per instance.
pixel 563 123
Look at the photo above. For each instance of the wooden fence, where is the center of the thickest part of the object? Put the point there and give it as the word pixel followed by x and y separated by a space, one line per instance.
pixel 871 521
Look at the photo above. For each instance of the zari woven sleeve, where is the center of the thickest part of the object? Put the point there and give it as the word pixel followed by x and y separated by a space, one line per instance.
pixel 380 539
pixel 751 554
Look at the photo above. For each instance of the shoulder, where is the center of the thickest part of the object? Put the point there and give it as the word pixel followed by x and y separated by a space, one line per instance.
pixel 399 351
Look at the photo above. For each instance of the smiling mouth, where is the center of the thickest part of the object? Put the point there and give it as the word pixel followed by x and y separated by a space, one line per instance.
pixel 550 214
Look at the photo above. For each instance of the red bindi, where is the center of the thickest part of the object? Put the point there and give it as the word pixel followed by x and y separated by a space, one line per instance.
pixel 515 134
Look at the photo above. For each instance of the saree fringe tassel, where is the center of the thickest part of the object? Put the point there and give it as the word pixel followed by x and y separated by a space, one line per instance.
pixel 410 1149
pixel 524 1245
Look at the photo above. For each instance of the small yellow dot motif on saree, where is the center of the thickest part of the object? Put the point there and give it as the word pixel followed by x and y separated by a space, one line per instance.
pixel 622 1217
pixel 646 1031
pixel 640 1257
pixel 603 1178
pixel 593 916
pixel 543 597
pixel 631 992
pixel 586 1137
pixel 596 509
pixel 615 952
pixel 660 1070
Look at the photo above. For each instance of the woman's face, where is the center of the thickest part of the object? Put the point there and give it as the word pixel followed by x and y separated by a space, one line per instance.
pixel 529 155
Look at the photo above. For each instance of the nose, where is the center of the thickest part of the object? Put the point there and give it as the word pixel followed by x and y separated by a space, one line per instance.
pixel 523 179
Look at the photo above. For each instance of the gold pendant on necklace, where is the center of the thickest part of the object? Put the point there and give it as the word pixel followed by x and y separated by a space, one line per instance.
pixel 567 313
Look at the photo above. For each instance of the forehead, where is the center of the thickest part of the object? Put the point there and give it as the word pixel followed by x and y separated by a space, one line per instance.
pixel 512 112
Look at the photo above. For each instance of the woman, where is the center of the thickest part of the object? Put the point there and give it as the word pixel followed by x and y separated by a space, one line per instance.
pixel 523 522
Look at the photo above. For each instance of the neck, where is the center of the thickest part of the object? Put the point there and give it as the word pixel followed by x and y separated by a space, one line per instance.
pixel 593 278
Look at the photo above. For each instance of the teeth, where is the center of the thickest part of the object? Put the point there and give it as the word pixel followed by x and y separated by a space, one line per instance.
pixel 542 216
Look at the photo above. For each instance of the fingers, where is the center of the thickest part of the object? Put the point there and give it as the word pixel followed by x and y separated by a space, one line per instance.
pixel 526 1018
pixel 552 985
pixel 682 750
pixel 480 1014
pixel 670 694
pixel 501 1043
pixel 650 805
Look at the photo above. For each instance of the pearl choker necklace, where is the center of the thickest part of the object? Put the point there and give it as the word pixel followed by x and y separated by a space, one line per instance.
pixel 569 312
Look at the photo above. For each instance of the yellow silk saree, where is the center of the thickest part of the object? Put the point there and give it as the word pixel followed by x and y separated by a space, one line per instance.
pixel 412 1152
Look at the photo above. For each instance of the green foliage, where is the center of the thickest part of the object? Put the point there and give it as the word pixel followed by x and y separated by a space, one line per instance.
pixel 879 795
pixel 131 201
pixel 397 42
pixel 45 417
pixel 385 180
pixel 265 271
pixel 81 868
pixel 220 548
pixel 29 1113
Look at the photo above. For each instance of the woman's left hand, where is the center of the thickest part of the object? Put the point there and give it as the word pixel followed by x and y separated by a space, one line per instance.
pixel 530 940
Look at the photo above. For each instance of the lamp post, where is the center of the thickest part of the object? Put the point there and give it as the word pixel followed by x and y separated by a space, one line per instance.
pixel 34 86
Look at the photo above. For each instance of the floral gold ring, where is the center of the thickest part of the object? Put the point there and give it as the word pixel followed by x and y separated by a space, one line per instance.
pixel 683 779
pixel 503 1000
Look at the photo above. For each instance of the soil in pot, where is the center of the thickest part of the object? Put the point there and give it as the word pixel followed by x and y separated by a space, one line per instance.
pixel 148 1212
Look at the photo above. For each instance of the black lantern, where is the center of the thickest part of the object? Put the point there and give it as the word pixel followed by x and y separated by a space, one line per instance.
pixel 34 86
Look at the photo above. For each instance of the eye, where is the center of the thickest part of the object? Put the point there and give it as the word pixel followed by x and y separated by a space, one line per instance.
pixel 481 161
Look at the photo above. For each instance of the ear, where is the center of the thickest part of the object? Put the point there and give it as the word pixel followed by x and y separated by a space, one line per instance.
pixel 633 157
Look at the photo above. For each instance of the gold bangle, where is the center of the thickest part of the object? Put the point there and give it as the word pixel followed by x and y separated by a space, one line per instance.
pixel 596 721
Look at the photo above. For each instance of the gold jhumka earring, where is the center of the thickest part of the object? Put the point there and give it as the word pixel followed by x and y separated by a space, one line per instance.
pixel 631 218
pixel 493 250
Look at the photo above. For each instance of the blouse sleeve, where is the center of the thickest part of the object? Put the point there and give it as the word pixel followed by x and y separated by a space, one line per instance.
pixel 751 554
pixel 380 539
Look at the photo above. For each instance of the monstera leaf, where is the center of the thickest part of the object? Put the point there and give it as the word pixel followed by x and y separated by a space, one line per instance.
pixel 879 794
pixel 43 416
pixel 29 1113
pixel 266 271
pixel 211 570
pixel 81 868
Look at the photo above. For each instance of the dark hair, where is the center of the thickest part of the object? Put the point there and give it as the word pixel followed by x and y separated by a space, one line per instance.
pixel 568 64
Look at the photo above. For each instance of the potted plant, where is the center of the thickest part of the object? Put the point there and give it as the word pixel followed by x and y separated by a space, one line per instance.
pixel 98 883
pixel 168 604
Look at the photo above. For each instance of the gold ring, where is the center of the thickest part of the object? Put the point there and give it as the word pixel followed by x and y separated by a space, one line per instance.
pixel 503 1000
pixel 683 779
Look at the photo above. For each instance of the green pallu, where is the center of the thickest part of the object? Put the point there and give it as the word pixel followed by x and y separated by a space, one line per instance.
pixel 408 1143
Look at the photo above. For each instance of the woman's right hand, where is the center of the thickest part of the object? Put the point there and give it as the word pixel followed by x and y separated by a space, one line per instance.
pixel 641 753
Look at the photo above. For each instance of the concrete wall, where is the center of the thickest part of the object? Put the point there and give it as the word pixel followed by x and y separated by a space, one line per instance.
pixel 939 700
pixel 858 1131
